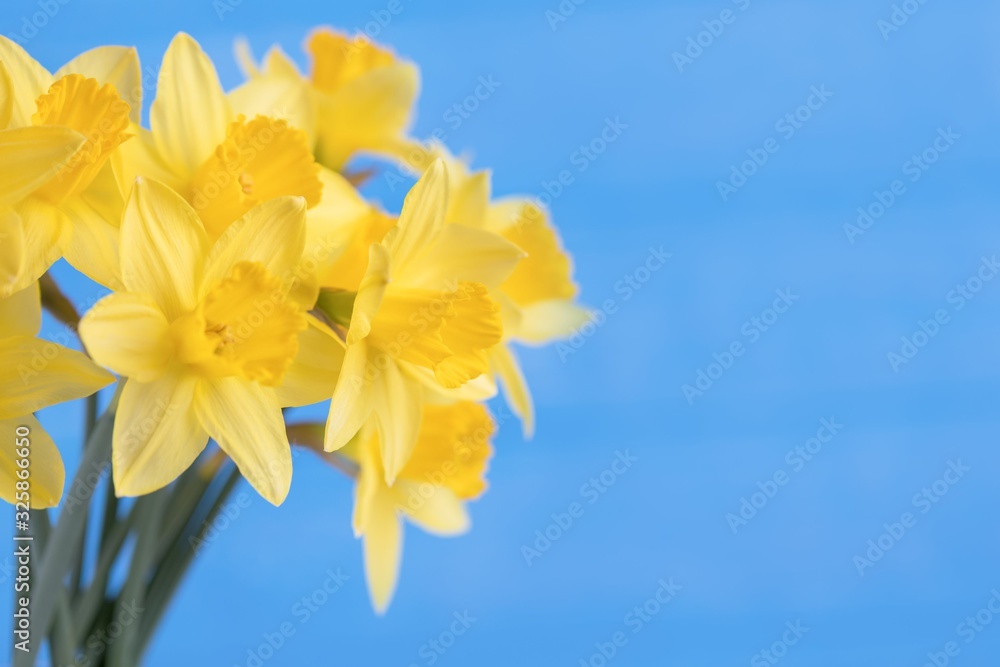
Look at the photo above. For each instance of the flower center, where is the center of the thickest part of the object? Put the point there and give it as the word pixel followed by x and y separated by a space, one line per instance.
pixel 245 326
pixel 96 112
pixel 449 332
pixel 259 160
pixel 338 59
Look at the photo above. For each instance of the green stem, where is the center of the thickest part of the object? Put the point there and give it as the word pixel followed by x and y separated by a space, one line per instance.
pixel 175 562
pixel 132 599
pixel 89 604
pixel 58 556
pixel 76 577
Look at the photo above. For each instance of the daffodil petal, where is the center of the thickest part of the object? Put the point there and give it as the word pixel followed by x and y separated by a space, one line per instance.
pixel 244 418
pixel 508 370
pixel 312 376
pixel 462 253
pixel 39 373
pixel 352 399
pixel 128 333
pixel 46 474
pixel 12 251
pixel 21 313
pixel 30 156
pixel 370 293
pixel 47 231
pixel 117 65
pixel 370 481
pixel 367 114
pixel 190 113
pixel 546 321
pixel 422 217
pixel 28 78
pixel 6 96
pixel 478 389
pixel 156 435
pixel 383 549
pixel 272 234
pixel 139 157
pixel 277 96
pixel 396 401
pixel 163 247
pixel 439 511
pixel 94 244
pixel 470 199
pixel 332 222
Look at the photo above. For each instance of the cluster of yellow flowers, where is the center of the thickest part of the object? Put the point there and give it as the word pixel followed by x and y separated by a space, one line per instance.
pixel 248 274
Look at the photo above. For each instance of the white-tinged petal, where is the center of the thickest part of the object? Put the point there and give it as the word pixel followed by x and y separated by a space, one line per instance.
pixel 546 321
pixel 439 511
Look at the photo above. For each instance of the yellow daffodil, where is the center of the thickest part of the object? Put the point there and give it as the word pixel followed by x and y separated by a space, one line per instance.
pixel 36 373
pixel 225 158
pixel 209 340
pixel 75 120
pixel 358 98
pixel 422 318
pixel 221 162
pixel 538 298
pixel 446 470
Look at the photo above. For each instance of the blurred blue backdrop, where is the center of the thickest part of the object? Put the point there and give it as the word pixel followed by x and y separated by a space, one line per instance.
pixel 830 103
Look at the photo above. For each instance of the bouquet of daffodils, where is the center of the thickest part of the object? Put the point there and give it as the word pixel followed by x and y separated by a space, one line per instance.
pixel 245 273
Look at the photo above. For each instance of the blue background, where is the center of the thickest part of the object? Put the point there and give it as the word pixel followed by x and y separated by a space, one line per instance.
pixel 621 386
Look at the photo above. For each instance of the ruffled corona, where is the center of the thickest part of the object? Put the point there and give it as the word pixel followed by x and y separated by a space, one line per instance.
pixel 96 112
pixel 245 326
pixel 338 59
pixel 260 159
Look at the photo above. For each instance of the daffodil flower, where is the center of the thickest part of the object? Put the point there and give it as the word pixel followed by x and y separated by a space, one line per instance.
pixel 221 162
pixel 224 159
pixel 446 469
pixel 209 340
pixel 358 98
pixel 73 211
pixel 422 318
pixel 538 297
pixel 36 374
